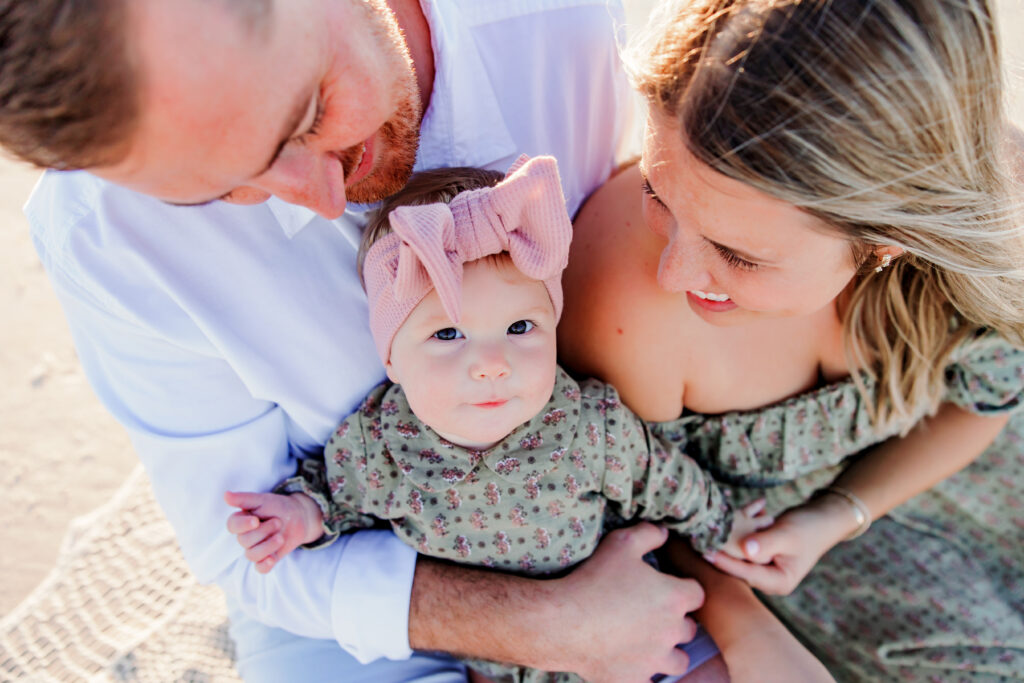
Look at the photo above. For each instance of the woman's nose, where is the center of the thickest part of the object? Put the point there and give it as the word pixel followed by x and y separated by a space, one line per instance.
pixel 308 178
pixel 682 266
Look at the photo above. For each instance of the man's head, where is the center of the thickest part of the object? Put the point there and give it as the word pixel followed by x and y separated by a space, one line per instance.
pixel 314 101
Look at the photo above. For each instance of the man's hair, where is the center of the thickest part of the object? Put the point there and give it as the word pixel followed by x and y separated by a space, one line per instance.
pixel 66 96
pixel 68 91
pixel 440 185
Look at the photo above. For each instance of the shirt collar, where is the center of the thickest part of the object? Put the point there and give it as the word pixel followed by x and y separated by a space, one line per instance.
pixel 463 125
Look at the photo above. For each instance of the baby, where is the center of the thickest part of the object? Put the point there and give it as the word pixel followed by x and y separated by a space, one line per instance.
pixel 481 449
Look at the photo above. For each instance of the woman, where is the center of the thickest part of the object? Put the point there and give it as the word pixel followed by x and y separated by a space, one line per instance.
pixel 832 264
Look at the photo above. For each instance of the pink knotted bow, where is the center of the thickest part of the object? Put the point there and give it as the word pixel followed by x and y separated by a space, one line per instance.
pixel 523 215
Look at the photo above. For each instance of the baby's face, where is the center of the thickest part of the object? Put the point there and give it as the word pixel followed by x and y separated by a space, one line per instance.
pixel 474 382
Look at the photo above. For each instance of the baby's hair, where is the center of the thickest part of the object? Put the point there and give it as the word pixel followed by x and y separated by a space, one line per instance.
pixel 440 185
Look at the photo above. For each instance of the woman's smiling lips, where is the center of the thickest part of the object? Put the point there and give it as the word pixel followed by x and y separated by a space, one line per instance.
pixel 710 301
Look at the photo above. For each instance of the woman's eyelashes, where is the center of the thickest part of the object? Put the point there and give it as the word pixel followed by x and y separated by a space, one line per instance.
pixel 652 194
pixel 730 258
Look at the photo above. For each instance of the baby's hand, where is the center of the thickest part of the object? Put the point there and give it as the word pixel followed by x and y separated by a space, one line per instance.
pixel 746 521
pixel 269 525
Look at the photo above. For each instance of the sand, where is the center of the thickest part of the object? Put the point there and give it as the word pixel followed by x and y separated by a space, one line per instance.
pixel 61 455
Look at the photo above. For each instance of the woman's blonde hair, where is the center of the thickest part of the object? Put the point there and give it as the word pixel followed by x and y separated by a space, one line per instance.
pixel 883 119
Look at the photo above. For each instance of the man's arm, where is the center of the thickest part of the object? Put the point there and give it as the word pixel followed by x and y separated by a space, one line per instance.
pixel 614 618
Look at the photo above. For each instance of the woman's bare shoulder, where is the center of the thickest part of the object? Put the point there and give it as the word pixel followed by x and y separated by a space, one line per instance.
pixel 618 324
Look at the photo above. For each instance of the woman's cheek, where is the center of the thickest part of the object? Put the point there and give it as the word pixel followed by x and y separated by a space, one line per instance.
pixel 656 219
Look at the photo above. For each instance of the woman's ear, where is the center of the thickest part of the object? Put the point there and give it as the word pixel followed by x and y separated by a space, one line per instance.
pixel 884 256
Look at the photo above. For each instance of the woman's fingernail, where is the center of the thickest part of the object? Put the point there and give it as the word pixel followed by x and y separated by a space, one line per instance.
pixel 752 547
pixel 710 557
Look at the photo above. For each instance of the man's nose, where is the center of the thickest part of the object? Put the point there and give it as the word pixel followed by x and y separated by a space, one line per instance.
pixel 683 265
pixel 490 363
pixel 308 178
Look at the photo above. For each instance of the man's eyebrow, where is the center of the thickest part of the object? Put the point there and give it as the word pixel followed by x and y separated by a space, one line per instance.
pixel 298 112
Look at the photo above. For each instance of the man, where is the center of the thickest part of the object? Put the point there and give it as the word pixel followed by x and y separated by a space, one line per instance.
pixel 229 335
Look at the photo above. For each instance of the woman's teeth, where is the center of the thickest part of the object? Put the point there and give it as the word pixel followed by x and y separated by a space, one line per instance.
pixel 710 296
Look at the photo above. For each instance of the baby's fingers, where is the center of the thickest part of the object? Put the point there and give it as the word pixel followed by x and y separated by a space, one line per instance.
pixel 245 501
pixel 265 550
pixel 241 522
pixel 251 539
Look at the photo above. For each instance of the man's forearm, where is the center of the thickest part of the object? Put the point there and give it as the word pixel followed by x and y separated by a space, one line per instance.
pixel 613 618
pixel 474 612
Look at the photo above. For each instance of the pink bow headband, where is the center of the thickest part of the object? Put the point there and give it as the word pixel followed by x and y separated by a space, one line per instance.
pixel 523 215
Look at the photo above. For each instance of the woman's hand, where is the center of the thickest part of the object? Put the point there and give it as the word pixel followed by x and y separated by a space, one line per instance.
pixel 779 557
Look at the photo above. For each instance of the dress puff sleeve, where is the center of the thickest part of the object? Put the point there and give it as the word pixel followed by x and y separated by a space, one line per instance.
pixel 337 484
pixel 986 375
pixel 646 478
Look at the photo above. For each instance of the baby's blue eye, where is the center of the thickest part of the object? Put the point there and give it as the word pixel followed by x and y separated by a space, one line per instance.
pixel 520 327
pixel 447 334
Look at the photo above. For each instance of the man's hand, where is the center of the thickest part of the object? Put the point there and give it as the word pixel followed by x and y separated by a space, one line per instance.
pixel 613 618
pixel 623 618
pixel 269 525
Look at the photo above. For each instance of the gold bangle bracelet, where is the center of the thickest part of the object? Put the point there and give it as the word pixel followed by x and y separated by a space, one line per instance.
pixel 860 510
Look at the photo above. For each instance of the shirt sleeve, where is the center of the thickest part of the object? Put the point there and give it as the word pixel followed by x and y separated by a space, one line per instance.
pixel 986 375
pixel 323 479
pixel 658 481
pixel 199 431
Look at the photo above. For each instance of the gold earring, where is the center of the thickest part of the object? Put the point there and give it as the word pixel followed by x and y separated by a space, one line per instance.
pixel 886 262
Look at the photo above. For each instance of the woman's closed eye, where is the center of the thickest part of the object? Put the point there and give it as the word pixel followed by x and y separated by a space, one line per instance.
pixel 447 334
pixel 520 327
pixel 649 191
pixel 732 259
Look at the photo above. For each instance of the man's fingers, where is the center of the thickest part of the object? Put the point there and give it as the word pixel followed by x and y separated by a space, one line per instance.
pixel 643 537
pixel 675 664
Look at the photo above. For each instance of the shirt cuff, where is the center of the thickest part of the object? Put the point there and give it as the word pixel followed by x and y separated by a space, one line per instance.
pixel 372 590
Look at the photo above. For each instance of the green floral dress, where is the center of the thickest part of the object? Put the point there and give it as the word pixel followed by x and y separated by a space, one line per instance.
pixel 934 591
pixel 535 503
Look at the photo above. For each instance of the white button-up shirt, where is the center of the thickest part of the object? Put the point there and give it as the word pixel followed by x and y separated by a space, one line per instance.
pixel 230 340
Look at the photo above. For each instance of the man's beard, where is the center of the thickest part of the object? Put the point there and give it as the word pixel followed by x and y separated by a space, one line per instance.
pixel 399 137
pixel 395 148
